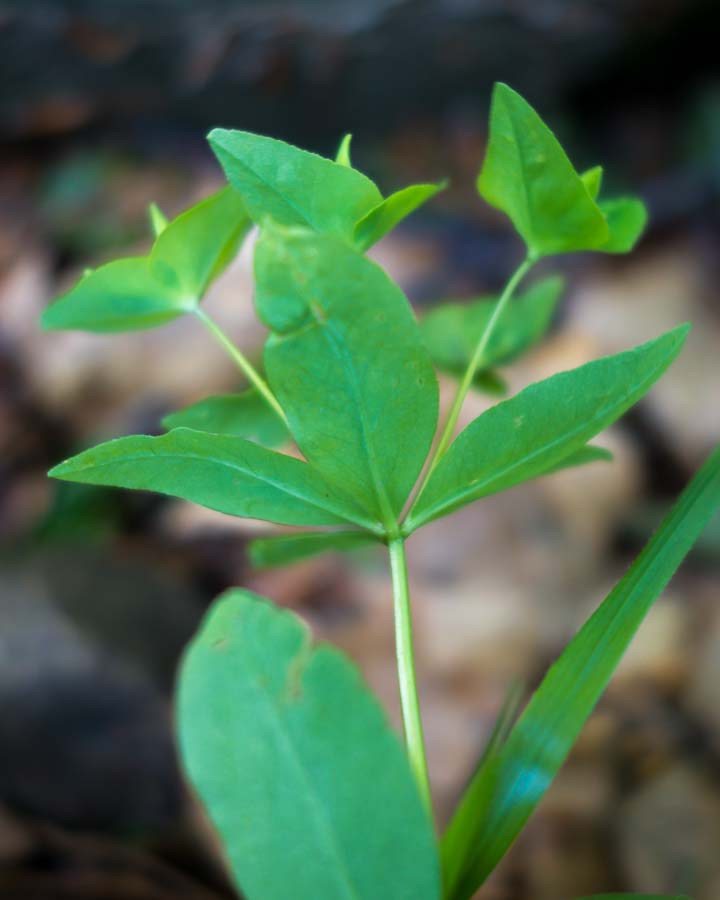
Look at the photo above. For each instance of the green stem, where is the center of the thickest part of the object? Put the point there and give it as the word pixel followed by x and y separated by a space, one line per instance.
pixel 473 366
pixel 245 366
pixel 406 670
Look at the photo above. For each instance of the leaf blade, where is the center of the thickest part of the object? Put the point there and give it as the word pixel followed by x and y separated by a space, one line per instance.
pixel 122 295
pixel 285 737
pixel 527 175
pixel 224 473
pixel 391 211
pixel 293 186
pixel 141 292
pixel 518 776
pixel 541 425
pixel 347 364
pixel 198 245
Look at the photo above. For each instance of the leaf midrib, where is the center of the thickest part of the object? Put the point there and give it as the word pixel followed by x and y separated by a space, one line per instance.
pixel 263 479
pixel 340 352
pixel 530 240
pixel 285 736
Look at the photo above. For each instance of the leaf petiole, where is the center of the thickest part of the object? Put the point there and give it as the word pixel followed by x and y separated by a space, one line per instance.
pixel 412 721
pixel 245 366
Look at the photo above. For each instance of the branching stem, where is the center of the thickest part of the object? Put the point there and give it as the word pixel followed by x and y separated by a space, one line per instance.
pixel 473 367
pixel 242 362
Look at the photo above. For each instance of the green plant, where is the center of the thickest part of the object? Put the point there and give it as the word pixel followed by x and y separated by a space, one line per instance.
pixel 307 785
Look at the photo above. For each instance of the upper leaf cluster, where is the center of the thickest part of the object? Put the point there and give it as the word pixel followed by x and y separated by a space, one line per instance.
pixel 345 358
pixel 146 291
pixel 528 176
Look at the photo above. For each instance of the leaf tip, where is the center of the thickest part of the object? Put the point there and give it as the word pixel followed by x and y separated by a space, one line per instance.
pixel 343 154
pixel 215 135
pixel 60 470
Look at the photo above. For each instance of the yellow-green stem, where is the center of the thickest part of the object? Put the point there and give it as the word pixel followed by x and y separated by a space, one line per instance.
pixel 245 366
pixel 412 721
pixel 473 366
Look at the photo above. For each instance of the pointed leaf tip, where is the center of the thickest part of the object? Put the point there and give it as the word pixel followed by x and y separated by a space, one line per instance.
pixel 527 175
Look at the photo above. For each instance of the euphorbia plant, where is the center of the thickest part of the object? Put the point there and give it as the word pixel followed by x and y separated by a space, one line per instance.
pixel 312 793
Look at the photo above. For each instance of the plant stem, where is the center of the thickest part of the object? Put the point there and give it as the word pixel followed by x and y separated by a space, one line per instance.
pixel 245 366
pixel 474 365
pixel 412 721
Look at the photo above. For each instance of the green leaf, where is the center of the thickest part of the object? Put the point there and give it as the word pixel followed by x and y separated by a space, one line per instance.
pixel 458 843
pixel 144 292
pixel 307 785
pixel 292 186
pixel 122 295
pixel 295 187
pixel 509 786
pixel 199 244
pixel 379 221
pixel 225 473
pixel 244 415
pixel 452 330
pixel 592 179
pixel 529 434
pixel 158 219
pixel 528 176
pixel 347 364
pixel 289 548
pixel 343 153
pixel 626 218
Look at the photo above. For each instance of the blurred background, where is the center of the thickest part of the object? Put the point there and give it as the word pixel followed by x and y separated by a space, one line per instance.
pixel 103 108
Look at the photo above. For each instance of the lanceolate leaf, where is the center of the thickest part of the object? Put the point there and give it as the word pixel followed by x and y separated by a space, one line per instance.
pixel 300 772
pixel 224 473
pixel 509 786
pixel 292 186
pixel 347 364
pixel 528 176
pixel 244 415
pixel 452 330
pixel 289 548
pixel 143 292
pixel 531 433
pixel 379 221
pixel 122 295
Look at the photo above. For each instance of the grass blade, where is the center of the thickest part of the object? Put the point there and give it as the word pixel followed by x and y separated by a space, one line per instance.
pixel 509 786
